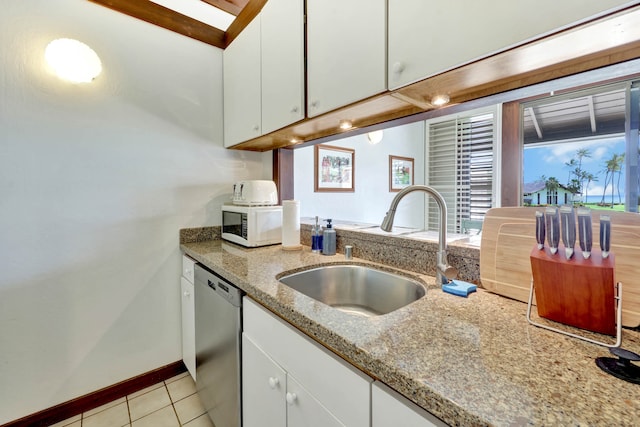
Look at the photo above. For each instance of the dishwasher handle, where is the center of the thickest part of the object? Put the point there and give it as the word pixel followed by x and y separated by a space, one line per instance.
pixel 226 290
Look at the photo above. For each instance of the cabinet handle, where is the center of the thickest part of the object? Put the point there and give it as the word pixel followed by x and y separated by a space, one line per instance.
pixel 291 398
pixel 186 293
pixel 256 128
pixel 398 67
pixel 294 109
pixel 273 382
pixel 314 104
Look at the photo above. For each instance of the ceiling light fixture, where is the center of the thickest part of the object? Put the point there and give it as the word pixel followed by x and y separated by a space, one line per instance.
pixel 375 136
pixel 73 60
pixel 440 100
pixel 346 125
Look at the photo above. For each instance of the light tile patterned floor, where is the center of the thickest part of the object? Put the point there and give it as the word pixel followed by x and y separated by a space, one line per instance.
pixel 171 403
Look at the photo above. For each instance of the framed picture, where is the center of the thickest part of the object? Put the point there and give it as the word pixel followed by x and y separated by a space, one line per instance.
pixel 334 169
pixel 400 172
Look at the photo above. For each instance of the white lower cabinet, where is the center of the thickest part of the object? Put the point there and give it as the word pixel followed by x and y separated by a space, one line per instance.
pixel 271 397
pixel 390 409
pixel 188 315
pixel 289 380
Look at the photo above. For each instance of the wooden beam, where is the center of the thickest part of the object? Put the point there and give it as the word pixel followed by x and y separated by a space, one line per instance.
pixel 233 7
pixel 534 119
pixel 511 155
pixel 283 173
pixel 166 18
pixel 592 113
pixel 250 11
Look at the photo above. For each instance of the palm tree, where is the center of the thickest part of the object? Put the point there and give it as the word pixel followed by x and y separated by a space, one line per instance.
pixel 573 168
pixel 582 152
pixel 551 184
pixel 606 171
pixel 589 177
pixel 619 162
pixel 613 166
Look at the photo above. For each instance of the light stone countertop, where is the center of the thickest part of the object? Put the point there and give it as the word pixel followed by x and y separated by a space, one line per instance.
pixel 468 361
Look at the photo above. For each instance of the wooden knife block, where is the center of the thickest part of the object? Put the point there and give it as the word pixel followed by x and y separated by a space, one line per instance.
pixel 578 292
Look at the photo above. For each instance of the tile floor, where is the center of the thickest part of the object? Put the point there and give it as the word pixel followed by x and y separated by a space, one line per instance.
pixel 171 403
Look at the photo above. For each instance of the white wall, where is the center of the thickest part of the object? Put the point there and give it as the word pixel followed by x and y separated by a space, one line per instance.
pixel 95 182
pixel 372 197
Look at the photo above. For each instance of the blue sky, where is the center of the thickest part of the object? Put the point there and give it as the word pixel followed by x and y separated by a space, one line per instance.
pixel 550 161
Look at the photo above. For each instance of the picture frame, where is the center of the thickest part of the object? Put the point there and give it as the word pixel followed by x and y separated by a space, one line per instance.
pixel 401 172
pixel 334 169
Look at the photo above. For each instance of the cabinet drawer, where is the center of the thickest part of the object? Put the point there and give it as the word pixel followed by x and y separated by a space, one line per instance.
pixel 188 268
pixel 338 386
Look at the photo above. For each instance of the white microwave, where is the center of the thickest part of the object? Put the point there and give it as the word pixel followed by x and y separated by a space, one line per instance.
pixel 252 226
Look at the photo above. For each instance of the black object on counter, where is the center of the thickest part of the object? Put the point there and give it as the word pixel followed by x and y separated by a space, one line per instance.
pixel 553 228
pixel 540 230
pixel 568 229
pixel 584 231
pixel 621 367
pixel 605 235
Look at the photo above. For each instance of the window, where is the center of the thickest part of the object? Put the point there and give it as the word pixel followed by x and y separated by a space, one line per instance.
pixel 461 165
pixel 581 148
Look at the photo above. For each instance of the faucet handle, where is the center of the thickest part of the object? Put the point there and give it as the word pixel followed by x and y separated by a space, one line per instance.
pixel 448 272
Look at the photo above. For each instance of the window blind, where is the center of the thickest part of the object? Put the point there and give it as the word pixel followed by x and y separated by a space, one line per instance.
pixel 460 159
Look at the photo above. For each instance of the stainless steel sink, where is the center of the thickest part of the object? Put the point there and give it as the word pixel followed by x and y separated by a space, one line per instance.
pixel 356 289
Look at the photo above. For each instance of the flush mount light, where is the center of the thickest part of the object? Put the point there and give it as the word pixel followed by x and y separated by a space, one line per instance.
pixel 440 100
pixel 345 125
pixel 375 137
pixel 73 60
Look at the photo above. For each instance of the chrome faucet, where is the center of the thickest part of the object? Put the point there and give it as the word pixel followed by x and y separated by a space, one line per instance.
pixel 444 272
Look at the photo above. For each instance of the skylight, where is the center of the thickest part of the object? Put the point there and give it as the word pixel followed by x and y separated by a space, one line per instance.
pixel 200 11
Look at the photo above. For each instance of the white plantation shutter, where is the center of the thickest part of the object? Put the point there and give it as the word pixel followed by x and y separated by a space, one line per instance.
pixel 461 167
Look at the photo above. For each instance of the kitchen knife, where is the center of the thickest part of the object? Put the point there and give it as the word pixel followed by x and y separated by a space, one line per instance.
pixel 540 229
pixel 568 229
pixel 553 228
pixel 605 235
pixel 584 231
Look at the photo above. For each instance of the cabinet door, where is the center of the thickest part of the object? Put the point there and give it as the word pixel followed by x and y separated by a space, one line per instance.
pixel 342 390
pixel 303 410
pixel 282 47
pixel 346 52
pixel 188 326
pixel 429 37
pixel 263 388
pixel 241 74
pixel 390 409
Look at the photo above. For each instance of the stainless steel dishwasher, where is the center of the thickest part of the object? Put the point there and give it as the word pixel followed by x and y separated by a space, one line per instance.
pixel 218 313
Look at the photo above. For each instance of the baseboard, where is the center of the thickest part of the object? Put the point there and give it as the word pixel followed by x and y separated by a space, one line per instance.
pixel 89 401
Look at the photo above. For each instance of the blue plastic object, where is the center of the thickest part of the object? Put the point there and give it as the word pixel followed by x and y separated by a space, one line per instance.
pixel 459 287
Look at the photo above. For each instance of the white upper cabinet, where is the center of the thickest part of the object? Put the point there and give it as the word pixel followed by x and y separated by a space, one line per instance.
pixel 264 73
pixel 282 63
pixel 427 37
pixel 242 97
pixel 346 52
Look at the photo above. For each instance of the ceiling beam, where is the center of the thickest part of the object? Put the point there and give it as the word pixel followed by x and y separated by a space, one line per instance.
pixel 230 6
pixel 250 11
pixel 534 119
pixel 592 113
pixel 168 19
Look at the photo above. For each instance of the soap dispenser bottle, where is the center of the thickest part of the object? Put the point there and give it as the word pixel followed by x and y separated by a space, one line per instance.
pixel 316 238
pixel 329 240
